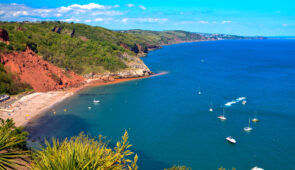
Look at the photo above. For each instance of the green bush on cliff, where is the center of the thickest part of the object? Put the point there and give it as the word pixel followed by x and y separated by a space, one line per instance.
pixel 10 84
pixel 82 152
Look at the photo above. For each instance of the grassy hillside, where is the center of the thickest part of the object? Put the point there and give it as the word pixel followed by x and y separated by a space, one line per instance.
pixel 89 49
pixel 163 37
pixel 84 49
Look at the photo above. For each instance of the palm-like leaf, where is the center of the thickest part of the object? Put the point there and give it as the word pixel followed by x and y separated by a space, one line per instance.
pixel 10 142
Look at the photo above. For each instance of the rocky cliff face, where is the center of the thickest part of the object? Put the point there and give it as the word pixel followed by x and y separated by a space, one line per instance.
pixel 139 50
pixel 40 74
pixel 136 68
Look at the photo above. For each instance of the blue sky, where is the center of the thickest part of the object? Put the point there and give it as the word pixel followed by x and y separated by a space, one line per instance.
pixel 247 17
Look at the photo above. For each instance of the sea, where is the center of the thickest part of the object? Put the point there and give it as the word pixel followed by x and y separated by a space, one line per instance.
pixel 169 122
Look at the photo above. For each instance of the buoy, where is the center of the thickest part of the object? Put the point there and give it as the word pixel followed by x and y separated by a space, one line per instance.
pixel 65 110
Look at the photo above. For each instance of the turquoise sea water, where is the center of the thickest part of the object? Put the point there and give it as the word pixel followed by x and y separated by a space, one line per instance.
pixel 169 123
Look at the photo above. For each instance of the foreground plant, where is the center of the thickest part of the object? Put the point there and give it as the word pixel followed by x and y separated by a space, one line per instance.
pixel 12 145
pixel 178 168
pixel 82 152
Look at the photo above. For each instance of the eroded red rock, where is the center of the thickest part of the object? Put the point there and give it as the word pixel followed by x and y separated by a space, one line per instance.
pixel 40 74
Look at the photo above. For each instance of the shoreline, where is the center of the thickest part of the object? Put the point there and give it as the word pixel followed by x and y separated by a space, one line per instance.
pixel 29 107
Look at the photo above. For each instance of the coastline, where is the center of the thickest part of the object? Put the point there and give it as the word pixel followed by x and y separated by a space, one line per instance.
pixel 30 107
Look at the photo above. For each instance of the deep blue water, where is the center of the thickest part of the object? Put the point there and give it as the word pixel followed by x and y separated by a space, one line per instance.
pixel 169 123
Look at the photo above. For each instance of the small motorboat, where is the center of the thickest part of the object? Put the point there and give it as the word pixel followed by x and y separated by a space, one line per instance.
pixel 231 140
pixel 89 108
pixel 244 102
pixel 248 129
pixel 256 168
pixel 255 120
pixel 95 101
pixel 211 109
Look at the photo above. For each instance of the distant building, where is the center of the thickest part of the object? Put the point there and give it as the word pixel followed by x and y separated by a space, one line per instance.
pixel 4 97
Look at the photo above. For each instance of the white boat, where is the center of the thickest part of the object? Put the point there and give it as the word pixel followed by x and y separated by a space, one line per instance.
pixel 248 129
pixel 231 140
pixel 95 101
pixel 244 102
pixel 199 92
pixel 256 168
pixel 211 107
pixel 255 119
pixel 222 117
pixel 89 108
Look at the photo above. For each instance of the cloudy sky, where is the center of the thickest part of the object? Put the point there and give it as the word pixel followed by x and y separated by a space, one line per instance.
pixel 251 17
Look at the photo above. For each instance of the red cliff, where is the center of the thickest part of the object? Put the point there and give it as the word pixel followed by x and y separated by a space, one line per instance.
pixel 40 74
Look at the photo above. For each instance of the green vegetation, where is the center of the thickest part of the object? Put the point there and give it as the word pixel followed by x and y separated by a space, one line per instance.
pixel 83 48
pixel 179 168
pixel 84 153
pixel 90 49
pixel 12 144
pixel 80 152
pixel 163 37
pixel 10 84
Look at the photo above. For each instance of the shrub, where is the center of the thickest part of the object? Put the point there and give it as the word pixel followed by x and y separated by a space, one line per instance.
pixel 82 152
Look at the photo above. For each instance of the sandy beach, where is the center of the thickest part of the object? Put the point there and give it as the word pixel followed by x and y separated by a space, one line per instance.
pixel 30 106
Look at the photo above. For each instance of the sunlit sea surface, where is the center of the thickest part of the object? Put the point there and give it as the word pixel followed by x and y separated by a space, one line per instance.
pixel 170 124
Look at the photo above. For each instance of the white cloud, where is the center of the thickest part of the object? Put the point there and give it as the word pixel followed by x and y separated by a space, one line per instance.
pixel 142 7
pixel 203 22
pixel 99 19
pixel 109 13
pixel 88 20
pixel 284 25
pixel 130 5
pixel 125 20
pixel 226 22
pixel 19 13
pixel 89 6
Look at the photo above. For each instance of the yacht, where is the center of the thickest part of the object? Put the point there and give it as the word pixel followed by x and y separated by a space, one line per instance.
pixel 256 168
pixel 211 107
pixel 222 117
pixel 248 129
pixel 231 140
pixel 95 101
pixel 199 92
